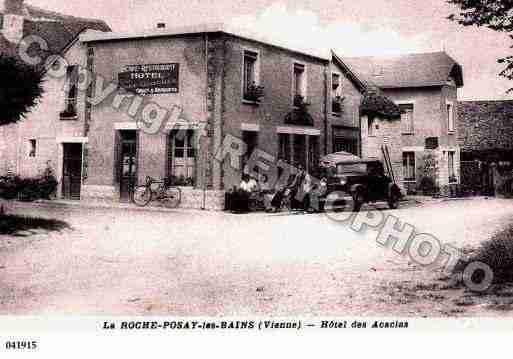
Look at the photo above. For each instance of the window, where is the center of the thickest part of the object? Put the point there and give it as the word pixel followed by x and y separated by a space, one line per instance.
pixel 370 125
pixel 250 76
pixel 409 166
pixel 407 118
pixel 452 172
pixel 32 148
pixel 70 101
pixel 182 156
pixel 450 117
pixel 299 84
pixel 336 93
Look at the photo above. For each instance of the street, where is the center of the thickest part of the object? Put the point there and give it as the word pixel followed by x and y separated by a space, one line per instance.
pixel 193 263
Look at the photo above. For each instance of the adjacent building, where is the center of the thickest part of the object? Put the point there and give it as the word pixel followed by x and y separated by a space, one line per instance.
pixel 423 137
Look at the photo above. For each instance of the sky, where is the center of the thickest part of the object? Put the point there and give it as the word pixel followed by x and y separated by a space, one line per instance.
pixel 350 27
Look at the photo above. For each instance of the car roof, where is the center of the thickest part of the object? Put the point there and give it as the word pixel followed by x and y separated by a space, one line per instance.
pixel 362 160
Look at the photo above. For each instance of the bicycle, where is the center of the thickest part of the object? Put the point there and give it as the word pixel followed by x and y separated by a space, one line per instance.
pixel 160 190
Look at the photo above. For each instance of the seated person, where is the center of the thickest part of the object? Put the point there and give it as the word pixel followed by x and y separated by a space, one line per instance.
pixel 317 193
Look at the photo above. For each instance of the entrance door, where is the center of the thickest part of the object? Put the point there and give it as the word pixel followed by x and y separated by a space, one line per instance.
pixel 72 171
pixel 128 164
pixel 299 150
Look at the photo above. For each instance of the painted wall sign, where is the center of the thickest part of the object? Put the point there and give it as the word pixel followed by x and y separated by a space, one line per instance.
pixel 150 79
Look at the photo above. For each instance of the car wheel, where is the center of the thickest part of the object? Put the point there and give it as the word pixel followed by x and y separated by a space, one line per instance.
pixel 393 202
pixel 357 201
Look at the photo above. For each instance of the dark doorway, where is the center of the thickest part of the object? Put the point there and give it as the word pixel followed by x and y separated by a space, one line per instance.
pixel 128 163
pixel 72 171
pixel 250 138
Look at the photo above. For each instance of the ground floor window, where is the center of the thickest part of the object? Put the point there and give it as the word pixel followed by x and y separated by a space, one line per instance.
pixel 452 171
pixel 409 166
pixel 181 157
pixel 345 139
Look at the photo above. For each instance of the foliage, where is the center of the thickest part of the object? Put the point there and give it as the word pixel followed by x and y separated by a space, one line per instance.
pixel 181 181
pixel 336 104
pixel 28 189
pixel 498 254
pixel 10 225
pixel 497 15
pixel 300 103
pixel 21 87
pixel 428 174
pixel 254 93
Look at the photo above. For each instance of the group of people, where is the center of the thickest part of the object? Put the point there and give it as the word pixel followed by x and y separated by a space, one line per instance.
pixel 301 192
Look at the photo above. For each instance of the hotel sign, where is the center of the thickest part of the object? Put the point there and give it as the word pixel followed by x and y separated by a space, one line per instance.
pixel 150 79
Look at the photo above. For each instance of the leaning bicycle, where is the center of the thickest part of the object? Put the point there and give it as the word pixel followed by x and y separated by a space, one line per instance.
pixel 157 190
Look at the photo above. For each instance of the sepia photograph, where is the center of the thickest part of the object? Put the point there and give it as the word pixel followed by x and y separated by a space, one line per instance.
pixel 256 165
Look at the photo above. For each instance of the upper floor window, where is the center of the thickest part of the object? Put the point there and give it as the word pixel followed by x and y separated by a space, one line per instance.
pixel 336 93
pixel 32 148
pixel 450 117
pixel 451 169
pixel 250 76
pixel 407 118
pixel 70 101
pixel 371 123
pixel 299 84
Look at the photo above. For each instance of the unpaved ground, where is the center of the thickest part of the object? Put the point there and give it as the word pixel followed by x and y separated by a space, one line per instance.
pixel 188 263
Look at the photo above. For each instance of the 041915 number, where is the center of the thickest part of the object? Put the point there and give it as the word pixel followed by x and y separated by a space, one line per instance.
pixel 20 345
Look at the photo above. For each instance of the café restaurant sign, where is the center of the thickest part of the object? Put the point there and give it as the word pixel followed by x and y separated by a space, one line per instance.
pixel 150 79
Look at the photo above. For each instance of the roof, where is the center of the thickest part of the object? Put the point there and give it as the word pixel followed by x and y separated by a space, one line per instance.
pixel 201 29
pixel 343 157
pixel 58 30
pixel 411 70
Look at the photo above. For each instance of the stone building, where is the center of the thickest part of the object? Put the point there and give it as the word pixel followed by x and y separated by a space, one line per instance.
pixel 163 103
pixel 26 148
pixel 202 105
pixel 422 137
pixel 486 139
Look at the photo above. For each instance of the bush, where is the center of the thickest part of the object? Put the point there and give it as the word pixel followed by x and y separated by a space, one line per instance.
pixel 9 187
pixel 28 189
pixel 498 254
pixel 180 181
pixel 427 186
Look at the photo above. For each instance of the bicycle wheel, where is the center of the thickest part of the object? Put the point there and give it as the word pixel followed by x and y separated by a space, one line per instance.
pixel 141 195
pixel 172 197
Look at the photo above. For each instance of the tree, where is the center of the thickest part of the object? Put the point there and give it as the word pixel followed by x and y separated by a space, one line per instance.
pixel 21 86
pixel 494 14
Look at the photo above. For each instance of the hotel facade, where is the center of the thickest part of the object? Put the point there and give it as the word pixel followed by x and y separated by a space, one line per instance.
pixel 198 105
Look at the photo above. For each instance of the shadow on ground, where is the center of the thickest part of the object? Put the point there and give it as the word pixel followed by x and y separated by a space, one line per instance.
pixel 20 226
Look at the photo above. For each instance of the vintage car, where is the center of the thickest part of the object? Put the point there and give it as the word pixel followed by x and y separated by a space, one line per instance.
pixel 351 179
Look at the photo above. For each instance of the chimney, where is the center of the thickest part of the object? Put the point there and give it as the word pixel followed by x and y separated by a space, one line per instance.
pixel 13 20
pixel 161 25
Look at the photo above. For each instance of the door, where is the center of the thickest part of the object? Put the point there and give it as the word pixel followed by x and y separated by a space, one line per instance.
pixel 127 164
pixel 299 150
pixel 182 157
pixel 72 171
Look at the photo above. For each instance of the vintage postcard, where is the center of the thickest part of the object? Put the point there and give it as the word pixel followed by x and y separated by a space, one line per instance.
pixel 288 166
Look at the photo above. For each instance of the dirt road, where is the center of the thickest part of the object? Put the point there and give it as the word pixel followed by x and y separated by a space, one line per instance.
pixel 189 263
